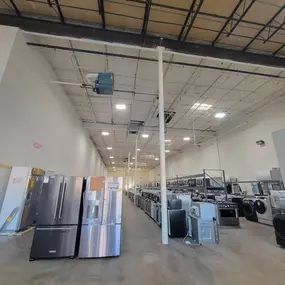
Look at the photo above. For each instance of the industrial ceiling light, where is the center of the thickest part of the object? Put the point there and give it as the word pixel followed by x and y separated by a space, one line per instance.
pixel 201 107
pixel 186 139
pixel 105 133
pixel 133 157
pixel 167 141
pixel 121 107
pixel 111 157
pixel 114 167
pixel 156 158
pixel 167 151
pixel 113 162
pixel 220 115
pixel 138 149
pixel 145 135
pixel 131 163
pixel 109 147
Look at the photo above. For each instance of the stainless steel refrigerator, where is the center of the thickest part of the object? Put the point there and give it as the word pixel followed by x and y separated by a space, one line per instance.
pixel 101 223
pixel 58 216
pixel 21 199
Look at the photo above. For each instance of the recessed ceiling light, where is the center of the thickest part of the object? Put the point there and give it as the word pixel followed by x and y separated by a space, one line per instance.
pixel 105 133
pixel 111 156
pixel 131 163
pixel 186 139
pixel 109 147
pixel 220 115
pixel 113 162
pixel 121 107
pixel 133 157
pixel 156 158
pixel 114 167
pixel 167 150
pixel 167 141
pixel 145 135
pixel 201 107
pixel 138 149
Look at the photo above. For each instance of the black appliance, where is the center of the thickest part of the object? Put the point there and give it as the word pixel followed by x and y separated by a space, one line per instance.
pixel 249 210
pixel 279 226
pixel 239 202
pixel 56 231
pixel 176 223
pixel 228 213
pixel 174 204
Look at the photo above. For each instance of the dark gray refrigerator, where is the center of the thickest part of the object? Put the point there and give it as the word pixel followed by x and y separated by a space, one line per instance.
pixel 57 218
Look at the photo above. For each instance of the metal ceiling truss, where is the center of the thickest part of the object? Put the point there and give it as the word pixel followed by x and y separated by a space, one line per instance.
pixel 268 25
pixel 190 19
pixel 146 17
pixel 59 12
pixel 235 18
pixel 15 8
pixel 102 12
pixel 91 32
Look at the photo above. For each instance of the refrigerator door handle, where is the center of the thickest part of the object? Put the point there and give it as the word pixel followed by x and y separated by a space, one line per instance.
pixel 55 212
pixel 62 199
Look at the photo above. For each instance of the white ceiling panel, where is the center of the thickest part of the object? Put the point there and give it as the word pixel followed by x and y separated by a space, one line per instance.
pixel 251 83
pixel 236 95
pixel 215 93
pixel 88 46
pixel 229 80
pixel 147 71
pixel 74 90
pixel 68 75
pixel 59 59
pixel 127 69
pixel 178 74
pixel 93 63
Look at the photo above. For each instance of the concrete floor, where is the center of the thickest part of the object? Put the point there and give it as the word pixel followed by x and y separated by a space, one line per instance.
pixel 248 255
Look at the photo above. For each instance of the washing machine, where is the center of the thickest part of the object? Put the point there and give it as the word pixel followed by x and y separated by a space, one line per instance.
pixel 249 209
pixel 263 210
pixel 278 211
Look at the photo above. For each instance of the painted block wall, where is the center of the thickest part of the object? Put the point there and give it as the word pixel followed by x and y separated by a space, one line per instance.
pixel 32 110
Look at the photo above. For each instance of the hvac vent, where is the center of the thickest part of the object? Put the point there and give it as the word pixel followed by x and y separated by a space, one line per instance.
pixel 168 115
pixel 134 127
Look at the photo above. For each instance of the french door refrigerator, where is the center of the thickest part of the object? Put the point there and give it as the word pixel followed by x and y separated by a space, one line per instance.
pixel 101 223
pixel 21 198
pixel 58 216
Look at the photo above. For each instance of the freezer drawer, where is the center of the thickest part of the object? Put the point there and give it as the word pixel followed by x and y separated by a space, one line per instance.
pixel 54 242
pixel 100 241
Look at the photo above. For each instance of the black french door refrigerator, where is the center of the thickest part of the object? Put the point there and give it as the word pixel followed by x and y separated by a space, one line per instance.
pixel 57 219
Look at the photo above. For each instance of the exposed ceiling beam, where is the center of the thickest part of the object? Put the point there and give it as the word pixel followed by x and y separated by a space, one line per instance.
pixel 197 4
pixel 263 29
pixel 102 12
pixel 275 31
pixel 186 20
pixel 17 11
pixel 58 10
pixel 151 41
pixel 146 17
pixel 228 21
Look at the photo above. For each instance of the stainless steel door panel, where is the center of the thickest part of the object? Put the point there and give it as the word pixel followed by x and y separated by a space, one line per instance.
pixel 54 242
pixel 69 202
pixel 112 211
pixel 100 241
pixel 49 200
pixel 92 207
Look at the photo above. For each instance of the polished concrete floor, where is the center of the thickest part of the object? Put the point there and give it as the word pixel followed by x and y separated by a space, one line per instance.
pixel 247 256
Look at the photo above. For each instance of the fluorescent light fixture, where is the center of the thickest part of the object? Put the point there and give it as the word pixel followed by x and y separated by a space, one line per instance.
pixel 201 107
pixel 114 167
pixel 186 139
pixel 220 115
pixel 105 133
pixel 131 163
pixel 167 151
pixel 167 141
pixel 121 107
pixel 113 162
pixel 133 157
pixel 145 135
pixel 109 147
pixel 138 149
pixel 111 157
pixel 156 158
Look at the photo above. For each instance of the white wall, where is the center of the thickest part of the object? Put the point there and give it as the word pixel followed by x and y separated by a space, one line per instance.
pixel 31 110
pixel 238 153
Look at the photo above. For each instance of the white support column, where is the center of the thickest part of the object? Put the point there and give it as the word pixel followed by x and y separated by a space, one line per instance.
pixel 164 225
pixel 136 164
pixel 128 181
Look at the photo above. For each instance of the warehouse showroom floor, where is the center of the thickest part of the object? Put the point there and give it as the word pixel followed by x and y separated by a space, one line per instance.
pixel 80 90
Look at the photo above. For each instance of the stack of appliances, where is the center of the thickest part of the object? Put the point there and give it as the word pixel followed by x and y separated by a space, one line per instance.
pixel 19 208
pixel 58 217
pixel 249 209
pixel 101 222
pixel 202 220
pixel 278 210
pixel 263 210
pixel 228 213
